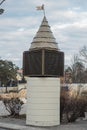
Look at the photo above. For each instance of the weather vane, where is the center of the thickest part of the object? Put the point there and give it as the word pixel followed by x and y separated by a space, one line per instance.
pixel 41 8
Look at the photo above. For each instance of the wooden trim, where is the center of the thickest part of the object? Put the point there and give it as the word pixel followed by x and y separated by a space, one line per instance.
pixel 43 62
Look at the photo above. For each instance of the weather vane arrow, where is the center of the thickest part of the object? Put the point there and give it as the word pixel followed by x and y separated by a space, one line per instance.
pixel 41 8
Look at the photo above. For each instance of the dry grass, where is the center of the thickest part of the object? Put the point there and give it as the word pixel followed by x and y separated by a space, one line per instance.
pixel 10 95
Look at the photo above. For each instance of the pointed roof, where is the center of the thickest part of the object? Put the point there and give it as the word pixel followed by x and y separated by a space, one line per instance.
pixel 44 37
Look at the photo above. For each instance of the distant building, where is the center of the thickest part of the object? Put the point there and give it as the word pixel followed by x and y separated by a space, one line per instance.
pixel 19 74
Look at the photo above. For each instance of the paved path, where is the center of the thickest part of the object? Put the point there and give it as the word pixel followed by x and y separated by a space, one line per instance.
pixel 18 124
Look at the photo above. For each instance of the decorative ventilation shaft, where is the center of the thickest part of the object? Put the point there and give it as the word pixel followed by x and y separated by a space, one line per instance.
pixel 43 57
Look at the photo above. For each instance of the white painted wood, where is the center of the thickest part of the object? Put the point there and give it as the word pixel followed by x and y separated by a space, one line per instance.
pixel 43 101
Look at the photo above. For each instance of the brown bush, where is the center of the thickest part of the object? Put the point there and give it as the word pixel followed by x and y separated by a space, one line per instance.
pixel 64 96
pixel 72 107
pixel 13 106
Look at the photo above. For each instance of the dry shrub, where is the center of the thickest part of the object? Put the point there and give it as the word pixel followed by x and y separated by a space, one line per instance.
pixel 13 101
pixel 22 93
pixel 63 101
pixel 13 106
pixel 10 95
pixel 72 107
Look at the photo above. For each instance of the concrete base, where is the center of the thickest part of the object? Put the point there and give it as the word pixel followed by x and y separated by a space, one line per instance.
pixel 43 101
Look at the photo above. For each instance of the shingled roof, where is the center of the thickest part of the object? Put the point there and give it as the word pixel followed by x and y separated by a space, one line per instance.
pixel 44 37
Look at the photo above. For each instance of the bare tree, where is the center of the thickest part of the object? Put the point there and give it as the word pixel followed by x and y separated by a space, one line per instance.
pixel 83 53
pixel 1 10
pixel 2 1
pixel 77 70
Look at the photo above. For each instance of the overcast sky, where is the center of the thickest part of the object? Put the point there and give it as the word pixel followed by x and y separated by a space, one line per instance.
pixel 21 20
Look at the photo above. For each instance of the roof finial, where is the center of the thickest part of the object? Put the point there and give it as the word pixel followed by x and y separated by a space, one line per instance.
pixel 41 8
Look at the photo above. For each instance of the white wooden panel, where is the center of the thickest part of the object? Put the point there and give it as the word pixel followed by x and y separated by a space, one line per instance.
pixel 43 101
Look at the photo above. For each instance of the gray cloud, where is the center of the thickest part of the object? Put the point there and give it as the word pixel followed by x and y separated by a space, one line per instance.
pixel 20 22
